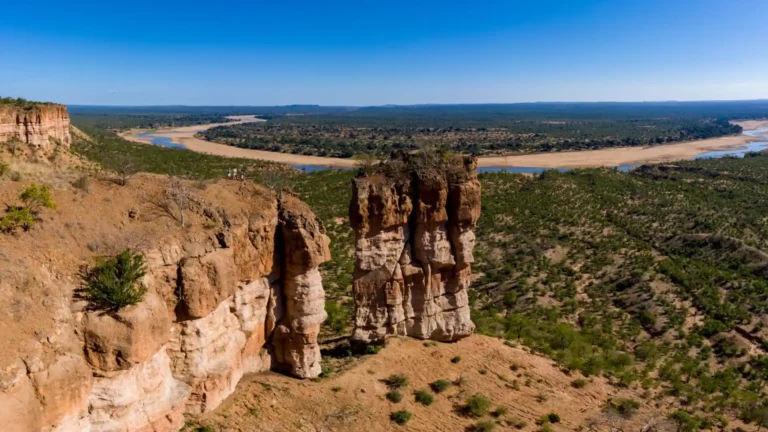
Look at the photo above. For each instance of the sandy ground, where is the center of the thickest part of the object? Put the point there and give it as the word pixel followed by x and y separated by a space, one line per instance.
pixel 574 159
pixel 526 385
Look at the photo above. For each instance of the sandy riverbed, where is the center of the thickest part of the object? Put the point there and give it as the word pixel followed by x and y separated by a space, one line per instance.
pixel 572 159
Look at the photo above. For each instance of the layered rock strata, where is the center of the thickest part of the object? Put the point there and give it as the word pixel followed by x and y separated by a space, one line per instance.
pixel 414 222
pixel 243 295
pixel 38 126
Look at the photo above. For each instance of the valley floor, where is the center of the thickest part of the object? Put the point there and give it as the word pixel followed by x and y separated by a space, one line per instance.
pixel 573 159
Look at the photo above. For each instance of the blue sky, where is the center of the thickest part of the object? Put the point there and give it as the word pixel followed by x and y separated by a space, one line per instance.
pixel 382 52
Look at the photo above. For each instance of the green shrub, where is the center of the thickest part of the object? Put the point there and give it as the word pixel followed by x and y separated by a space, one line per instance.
pixel 423 397
pixel 4 167
pixel 439 386
pixel 396 381
pixel 16 176
pixel 16 217
pixel 400 417
pixel 624 407
pixel 338 316
pixel 579 383
pixel 477 406
pixel 394 396
pixel 685 421
pixel 455 359
pixel 553 418
pixel 34 197
pixel 499 411
pixel 483 426
pixel 517 423
pixel 112 283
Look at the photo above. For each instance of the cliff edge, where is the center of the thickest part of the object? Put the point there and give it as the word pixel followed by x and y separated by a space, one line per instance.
pixel 38 126
pixel 235 290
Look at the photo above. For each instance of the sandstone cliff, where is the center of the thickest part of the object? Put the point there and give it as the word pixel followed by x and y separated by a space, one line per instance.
pixel 414 222
pixel 236 291
pixel 38 126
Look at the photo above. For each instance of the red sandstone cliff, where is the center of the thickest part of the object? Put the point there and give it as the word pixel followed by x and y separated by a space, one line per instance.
pixel 39 126
pixel 236 291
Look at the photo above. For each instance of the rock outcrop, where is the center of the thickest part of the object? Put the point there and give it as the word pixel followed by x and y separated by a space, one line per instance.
pixel 39 126
pixel 236 291
pixel 414 222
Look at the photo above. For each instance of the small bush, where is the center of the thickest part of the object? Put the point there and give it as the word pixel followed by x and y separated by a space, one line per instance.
pixel 455 359
pixel 517 423
pixel 499 411
pixel 83 183
pixel 553 418
pixel 483 426
pixel 112 283
pixel 396 381
pixel 541 398
pixel 16 176
pixel 477 406
pixel 394 396
pixel 439 386
pixel 624 407
pixel 400 417
pixel 16 217
pixel 423 397
pixel 579 383
pixel 4 167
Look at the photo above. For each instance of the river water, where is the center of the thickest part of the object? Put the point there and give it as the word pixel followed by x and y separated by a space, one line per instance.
pixel 735 152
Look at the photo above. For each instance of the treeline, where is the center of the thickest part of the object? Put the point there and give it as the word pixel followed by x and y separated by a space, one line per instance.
pixel 141 120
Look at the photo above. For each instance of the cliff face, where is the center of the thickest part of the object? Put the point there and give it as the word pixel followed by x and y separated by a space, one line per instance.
pixel 237 291
pixel 414 225
pixel 38 127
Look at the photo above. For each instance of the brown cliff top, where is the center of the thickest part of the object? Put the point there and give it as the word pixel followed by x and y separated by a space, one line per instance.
pixel 427 166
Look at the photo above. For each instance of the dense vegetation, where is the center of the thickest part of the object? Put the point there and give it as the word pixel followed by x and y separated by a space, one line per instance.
pixel 342 140
pixel 119 155
pixel 489 129
pixel 654 278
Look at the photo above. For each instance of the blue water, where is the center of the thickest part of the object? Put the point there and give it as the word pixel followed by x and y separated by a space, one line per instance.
pixel 738 152
pixel 161 141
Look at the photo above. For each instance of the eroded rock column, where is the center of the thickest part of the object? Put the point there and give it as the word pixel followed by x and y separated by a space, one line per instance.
pixel 304 247
pixel 414 223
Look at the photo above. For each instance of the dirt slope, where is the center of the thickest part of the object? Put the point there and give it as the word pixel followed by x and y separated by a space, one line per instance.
pixel 354 400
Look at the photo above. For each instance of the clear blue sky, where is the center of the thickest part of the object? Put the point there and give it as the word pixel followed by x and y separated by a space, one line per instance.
pixel 382 52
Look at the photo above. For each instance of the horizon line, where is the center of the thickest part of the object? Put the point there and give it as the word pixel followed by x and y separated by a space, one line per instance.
pixel 421 104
